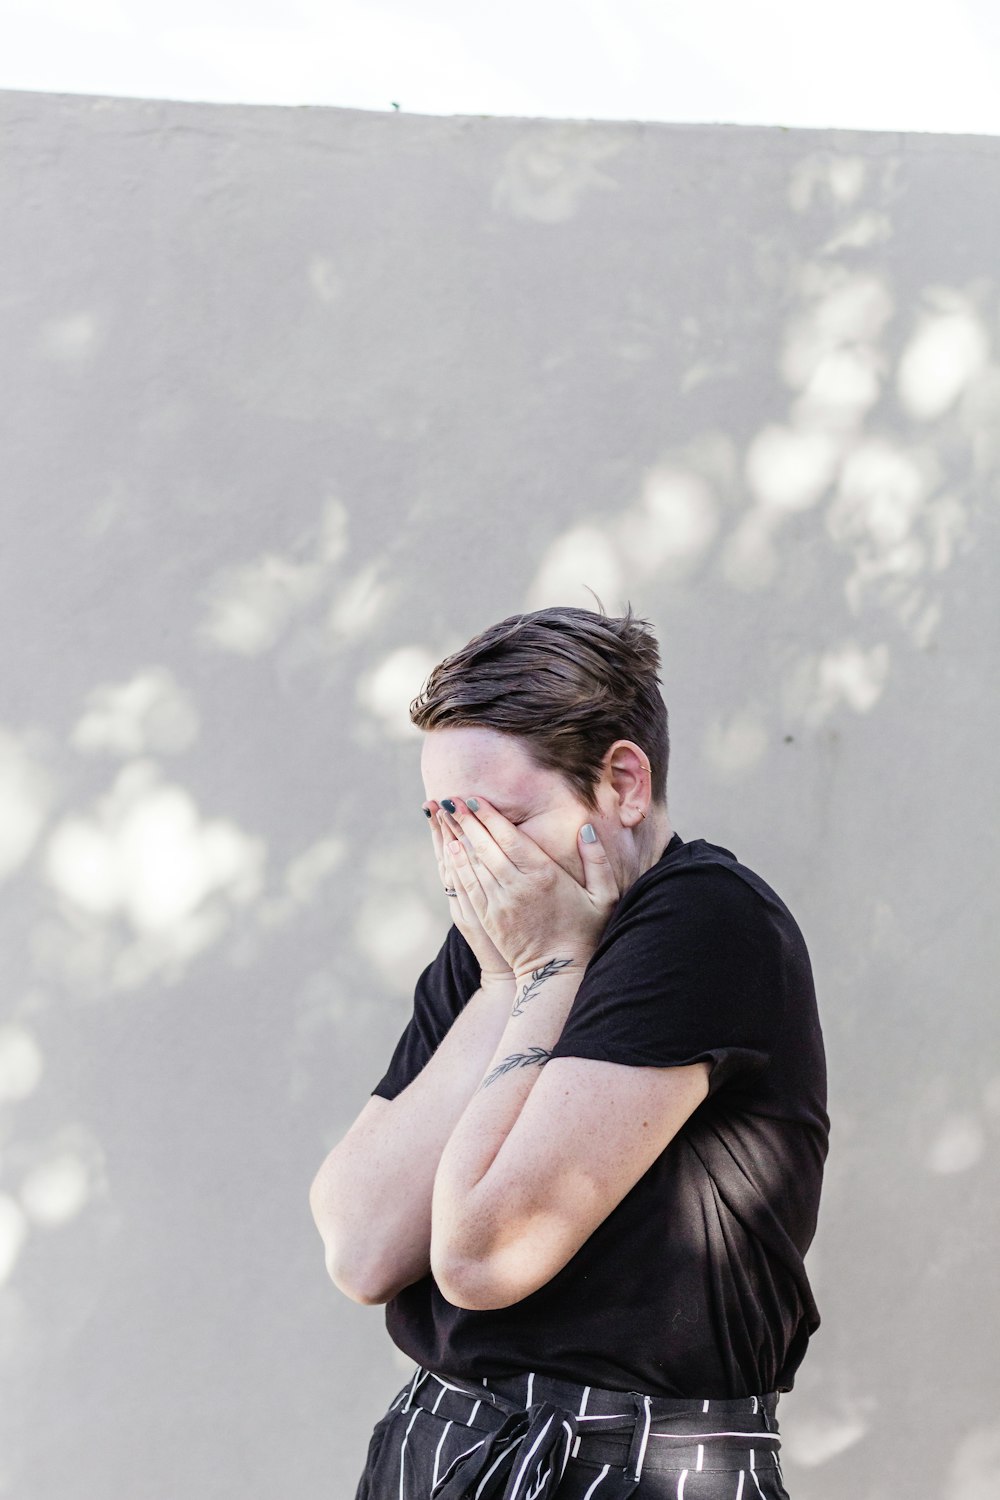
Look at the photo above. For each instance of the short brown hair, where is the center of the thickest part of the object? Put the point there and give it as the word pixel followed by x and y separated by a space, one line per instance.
pixel 568 682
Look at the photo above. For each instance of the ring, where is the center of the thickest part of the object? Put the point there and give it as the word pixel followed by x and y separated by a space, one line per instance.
pixel 449 892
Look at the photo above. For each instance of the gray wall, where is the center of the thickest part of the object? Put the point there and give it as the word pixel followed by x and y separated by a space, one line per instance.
pixel 294 402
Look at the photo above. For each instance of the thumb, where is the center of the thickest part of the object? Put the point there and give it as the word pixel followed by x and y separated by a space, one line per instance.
pixel 599 876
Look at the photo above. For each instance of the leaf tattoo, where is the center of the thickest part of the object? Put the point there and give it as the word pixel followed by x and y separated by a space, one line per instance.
pixel 538 976
pixel 534 1057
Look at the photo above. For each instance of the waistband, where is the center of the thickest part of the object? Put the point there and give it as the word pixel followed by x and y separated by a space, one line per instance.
pixel 524 1429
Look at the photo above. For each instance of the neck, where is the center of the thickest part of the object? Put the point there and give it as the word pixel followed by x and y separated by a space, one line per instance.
pixel 657 833
pixel 651 838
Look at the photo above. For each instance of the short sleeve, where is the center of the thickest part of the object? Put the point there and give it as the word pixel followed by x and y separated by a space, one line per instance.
pixel 442 991
pixel 690 970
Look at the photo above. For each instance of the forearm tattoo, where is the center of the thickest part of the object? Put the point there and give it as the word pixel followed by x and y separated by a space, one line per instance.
pixel 538 977
pixel 535 1057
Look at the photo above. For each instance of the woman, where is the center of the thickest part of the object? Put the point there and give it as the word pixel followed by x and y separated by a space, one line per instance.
pixel 586 1183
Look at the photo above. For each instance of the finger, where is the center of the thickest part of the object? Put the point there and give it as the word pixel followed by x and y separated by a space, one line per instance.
pixel 497 842
pixel 470 876
pixel 437 837
pixel 452 829
pixel 597 872
pixel 447 824
pixel 451 874
pixel 448 874
pixel 462 899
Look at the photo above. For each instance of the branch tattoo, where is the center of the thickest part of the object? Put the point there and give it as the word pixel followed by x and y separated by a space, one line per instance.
pixel 535 1057
pixel 538 977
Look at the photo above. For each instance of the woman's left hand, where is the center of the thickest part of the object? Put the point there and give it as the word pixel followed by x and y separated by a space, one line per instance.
pixel 531 908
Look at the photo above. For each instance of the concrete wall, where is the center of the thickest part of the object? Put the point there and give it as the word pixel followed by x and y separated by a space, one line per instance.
pixel 294 402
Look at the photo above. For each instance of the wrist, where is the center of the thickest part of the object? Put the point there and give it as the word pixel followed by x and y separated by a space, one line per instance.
pixel 496 979
pixel 563 963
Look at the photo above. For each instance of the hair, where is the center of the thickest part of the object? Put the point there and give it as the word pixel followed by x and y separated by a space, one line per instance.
pixel 567 682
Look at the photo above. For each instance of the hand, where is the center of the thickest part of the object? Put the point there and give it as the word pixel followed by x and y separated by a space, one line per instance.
pixel 494 967
pixel 529 907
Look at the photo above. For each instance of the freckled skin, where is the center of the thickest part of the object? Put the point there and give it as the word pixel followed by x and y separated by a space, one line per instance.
pixel 486 763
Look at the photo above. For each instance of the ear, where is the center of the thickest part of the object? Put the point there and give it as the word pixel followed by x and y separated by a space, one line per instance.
pixel 628 771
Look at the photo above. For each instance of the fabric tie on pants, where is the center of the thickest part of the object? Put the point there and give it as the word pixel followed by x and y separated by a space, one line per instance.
pixel 524 1459
pixel 526 1455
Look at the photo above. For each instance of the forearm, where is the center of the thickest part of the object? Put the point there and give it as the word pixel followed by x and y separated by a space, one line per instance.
pixel 470 1194
pixel 371 1198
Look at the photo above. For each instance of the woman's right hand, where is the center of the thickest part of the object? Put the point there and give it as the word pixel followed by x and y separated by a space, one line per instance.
pixel 495 968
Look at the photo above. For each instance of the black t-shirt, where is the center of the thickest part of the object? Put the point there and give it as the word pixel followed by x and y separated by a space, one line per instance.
pixel 694 1284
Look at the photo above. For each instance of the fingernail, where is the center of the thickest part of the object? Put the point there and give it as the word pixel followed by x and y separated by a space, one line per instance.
pixel 587 834
pixel 472 804
pixel 426 811
pixel 447 804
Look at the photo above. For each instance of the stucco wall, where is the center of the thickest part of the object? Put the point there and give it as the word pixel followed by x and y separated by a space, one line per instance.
pixel 294 402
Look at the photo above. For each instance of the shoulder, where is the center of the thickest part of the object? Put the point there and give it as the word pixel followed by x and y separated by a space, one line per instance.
pixel 703 902
pixel 702 882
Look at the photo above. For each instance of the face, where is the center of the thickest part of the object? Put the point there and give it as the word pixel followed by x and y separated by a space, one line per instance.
pixel 470 762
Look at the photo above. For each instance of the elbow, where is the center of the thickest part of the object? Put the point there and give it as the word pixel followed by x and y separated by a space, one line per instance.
pixel 490 1275
pixel 467 1285
pixel 356 1278
pixel 351 1263
pixel 357 1266
pixel 474 1284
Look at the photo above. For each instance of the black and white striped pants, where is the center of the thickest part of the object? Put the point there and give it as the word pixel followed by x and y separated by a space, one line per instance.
pixel 531 1437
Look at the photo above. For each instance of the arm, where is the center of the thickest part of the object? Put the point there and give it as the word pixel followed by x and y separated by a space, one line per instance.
pixel 371 1198
pixel 545 1149
pixel 684 993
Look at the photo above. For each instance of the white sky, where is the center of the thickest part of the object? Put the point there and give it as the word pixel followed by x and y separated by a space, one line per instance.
pixel 867 64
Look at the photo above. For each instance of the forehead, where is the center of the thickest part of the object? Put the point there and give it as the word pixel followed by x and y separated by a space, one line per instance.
pixel 461 762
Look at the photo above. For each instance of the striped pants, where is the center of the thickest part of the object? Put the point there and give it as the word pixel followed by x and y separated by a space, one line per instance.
pixel 531 1437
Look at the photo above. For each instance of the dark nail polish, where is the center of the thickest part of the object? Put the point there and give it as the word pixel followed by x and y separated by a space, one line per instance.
pixel 447 804
pixel 426 812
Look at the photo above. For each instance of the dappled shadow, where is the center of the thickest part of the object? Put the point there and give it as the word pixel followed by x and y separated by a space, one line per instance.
pixel 334 404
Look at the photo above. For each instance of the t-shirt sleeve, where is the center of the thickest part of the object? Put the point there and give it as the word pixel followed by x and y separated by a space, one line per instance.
pixel 447 983
pixel 690 970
